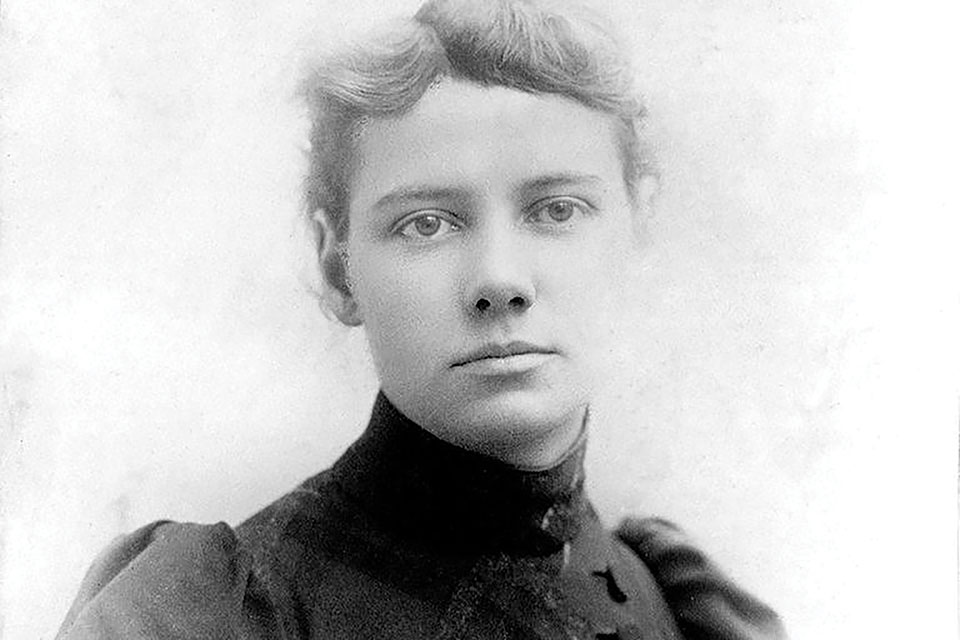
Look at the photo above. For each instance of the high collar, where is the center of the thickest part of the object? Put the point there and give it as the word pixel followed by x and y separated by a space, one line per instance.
pixel 430 491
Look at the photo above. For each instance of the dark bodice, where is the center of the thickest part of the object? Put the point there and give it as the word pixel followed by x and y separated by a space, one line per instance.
pixel 407 536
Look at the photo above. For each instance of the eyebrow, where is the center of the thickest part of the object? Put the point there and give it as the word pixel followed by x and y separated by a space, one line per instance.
pixel 421 192
pixel 531 186
pixel 564 178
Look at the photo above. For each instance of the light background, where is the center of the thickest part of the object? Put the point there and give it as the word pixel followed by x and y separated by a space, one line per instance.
pixel 787 383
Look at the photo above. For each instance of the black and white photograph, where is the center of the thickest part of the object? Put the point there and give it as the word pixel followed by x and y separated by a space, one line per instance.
pixel 478 320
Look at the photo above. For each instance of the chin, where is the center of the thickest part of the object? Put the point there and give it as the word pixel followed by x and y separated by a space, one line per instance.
pixel 511 417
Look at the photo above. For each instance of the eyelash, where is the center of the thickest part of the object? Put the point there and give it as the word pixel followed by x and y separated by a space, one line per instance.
pixel 409 222
pixel 584 208
pixel 446 218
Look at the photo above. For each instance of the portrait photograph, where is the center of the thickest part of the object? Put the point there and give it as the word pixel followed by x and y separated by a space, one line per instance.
pixel 478 320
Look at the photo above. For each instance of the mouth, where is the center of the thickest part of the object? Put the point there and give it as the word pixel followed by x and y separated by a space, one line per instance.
pixel 492 353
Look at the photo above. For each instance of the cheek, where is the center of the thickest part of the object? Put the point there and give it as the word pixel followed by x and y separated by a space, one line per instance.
pixel 589 289
pixel 588 279
pixel 403 305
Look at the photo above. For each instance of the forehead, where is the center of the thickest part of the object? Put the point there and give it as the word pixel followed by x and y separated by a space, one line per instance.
pixel 483 139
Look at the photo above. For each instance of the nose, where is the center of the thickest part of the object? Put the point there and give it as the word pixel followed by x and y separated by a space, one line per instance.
pixel 502 282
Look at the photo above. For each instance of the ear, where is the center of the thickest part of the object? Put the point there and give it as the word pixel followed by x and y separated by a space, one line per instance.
pixel 337 296
pixel 647 189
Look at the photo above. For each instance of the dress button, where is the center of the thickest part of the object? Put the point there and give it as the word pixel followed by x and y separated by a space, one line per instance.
pixel 613 589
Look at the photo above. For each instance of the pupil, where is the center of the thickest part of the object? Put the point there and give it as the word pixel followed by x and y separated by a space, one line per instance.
pixel 560 211
pixel 427 225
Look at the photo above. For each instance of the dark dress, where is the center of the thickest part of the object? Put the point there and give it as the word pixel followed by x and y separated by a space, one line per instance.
pixel 407 536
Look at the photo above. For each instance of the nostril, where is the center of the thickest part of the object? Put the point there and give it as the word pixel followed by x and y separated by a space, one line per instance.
pixel 483 304
pixel 518 302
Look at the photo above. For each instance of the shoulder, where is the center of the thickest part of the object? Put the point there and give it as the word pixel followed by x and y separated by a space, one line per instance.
pixel 282 535
pixel 171 580
pixel 704 601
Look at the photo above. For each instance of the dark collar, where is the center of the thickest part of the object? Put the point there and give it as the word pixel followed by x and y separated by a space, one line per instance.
pixel 428 490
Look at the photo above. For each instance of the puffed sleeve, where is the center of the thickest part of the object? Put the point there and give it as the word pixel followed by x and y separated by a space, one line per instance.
pixel 706 604
pixel 172 581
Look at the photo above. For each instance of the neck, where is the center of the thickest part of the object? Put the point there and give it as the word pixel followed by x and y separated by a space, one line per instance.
pixel 431 489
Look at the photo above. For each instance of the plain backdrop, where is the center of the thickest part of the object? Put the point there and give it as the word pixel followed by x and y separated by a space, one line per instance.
pixel 785 381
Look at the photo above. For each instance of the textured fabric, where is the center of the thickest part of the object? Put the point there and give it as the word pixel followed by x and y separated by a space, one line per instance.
pixel 407 536
pixel 171 580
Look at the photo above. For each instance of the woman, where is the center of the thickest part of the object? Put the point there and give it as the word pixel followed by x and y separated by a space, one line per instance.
pixel 475 183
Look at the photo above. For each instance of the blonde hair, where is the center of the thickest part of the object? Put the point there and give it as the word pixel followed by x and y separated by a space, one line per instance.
pixel 520 44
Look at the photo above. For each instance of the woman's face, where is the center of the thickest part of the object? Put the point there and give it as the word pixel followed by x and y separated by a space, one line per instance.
pixel 488 229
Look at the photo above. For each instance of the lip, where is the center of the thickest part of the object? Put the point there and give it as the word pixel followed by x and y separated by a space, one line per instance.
pixel 507 356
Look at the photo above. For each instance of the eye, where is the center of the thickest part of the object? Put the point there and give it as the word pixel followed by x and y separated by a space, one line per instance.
pixel 425 225
pixel 557 210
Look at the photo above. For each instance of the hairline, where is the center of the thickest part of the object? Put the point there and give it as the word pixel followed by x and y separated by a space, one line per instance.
pixel 351 158
pixel 344 95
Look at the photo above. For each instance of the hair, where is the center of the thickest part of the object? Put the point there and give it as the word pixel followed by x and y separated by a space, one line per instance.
pixel 519 44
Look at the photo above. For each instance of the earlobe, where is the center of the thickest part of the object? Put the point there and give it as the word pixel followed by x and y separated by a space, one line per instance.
pixel 337 297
